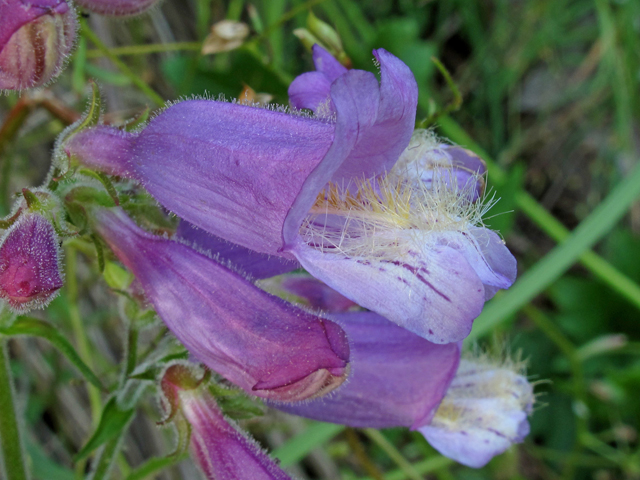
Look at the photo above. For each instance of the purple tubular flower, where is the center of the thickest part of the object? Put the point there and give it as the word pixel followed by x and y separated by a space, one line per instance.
pixel 29 264
pixel 35 38
pixel 397 378
pixel 116 8
pixel 323 192
pixel 252 171
pixel 483 414
pixel 221 449
pixel 261 343
pixel 242 166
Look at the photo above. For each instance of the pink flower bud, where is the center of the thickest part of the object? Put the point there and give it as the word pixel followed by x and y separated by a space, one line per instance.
pixel 221 449
pixel 29 264
pixel 36 37
pixel 116 8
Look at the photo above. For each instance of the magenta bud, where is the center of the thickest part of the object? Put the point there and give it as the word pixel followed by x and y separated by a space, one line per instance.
pixel 36 37
pixel 116 8
pixel 29 264
pixel 221 449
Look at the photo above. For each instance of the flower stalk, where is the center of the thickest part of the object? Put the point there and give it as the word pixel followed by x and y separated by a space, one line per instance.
pixel 10 436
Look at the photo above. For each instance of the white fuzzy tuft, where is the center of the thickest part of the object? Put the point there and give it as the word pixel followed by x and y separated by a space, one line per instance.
pixel 386 218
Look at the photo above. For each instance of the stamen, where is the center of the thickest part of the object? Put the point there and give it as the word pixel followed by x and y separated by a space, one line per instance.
pixel 391 216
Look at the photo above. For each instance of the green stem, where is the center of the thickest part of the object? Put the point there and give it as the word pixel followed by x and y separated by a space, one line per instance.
pixel 137 81
pixel 10 438
pixel 146 49
pixel 285 18
pixel 393 453
pixel 106 459
pixel 235 9
pixel 361 454
pixel 132 350
pixel 79 333
pixel 565 345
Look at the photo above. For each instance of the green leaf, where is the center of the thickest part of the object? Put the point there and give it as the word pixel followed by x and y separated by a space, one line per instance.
pixel 297 447
pixel 43 468
pixel 154 466
pixel 102 178
pixel 38 328
pixel 112 422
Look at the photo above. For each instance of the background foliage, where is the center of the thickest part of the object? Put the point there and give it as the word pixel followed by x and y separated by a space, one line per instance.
pixel 551 101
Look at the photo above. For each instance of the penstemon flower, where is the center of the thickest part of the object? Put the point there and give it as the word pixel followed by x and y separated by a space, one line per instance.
pixel 266 346
pixel 324 191
pixel 35 39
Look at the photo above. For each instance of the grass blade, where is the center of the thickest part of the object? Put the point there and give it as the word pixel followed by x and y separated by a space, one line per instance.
pixel 551 267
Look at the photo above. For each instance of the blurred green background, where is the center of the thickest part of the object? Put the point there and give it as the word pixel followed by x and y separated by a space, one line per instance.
pixel 550 100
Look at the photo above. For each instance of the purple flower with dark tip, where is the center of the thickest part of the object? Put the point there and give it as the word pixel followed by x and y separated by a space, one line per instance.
pixel 266 346
pixel 221 449
pixel 322 191
pixel 36 37
pixel 29 263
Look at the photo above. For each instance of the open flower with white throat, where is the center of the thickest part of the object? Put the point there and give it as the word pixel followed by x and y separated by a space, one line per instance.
pixel 323 191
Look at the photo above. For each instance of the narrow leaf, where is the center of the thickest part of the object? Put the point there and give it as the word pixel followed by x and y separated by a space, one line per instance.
pixel 297 447
pixel 38 328
pixel 112 422
pixel 151 468
pixel 551 267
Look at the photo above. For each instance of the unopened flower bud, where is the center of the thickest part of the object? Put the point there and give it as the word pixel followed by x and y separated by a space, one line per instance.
pixel 325 33
pixel 117 8
pixel 35 39
pixel 484 412
pixel 225 35
pixel 29 264
pixel 221 449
